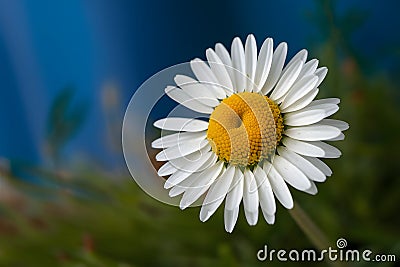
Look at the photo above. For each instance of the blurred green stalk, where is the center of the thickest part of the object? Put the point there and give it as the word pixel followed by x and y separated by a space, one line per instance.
pixel 312 231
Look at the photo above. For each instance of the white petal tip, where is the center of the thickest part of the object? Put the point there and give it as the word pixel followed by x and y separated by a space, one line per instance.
pixel 205 215
pixel 229 231
pixel 229 228
pixel 161 175
pixel 252 218
pixel 312 191
pixel 236 39
pixel 168 185
pixel 154 144
pixel 271 220
pixel 195 60
pixel 161 156
pixel 289 205
pixel 230 218
pixel 173 193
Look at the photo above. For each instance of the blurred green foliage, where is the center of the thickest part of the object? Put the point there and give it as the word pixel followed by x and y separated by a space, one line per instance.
pixel 95 218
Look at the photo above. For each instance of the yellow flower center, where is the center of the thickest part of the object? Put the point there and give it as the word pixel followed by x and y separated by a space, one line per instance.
pixel 245 129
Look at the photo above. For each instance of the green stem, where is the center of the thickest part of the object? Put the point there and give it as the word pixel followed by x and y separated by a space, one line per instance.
pixel 312 231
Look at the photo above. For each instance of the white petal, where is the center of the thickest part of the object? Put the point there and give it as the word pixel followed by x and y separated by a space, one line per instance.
pixel 329 105
pixel 183 186
pixel 319 102
pixel 304 117
pixel 313 190
pixel 223 54
pixel 279 186
pixel 230 218
pixel 220 71
pixel 309 68
pixel 303 148
pixel 196 90
pixel 311 149
pixel 250 54
pixel 301 55
pixel 264 63
pixel 216 194
pixel 340 137
pixel 191 162
pixel 287 79
pixel 235 194
pixel 207 77
pixel 200 185
pixel 270 218
pixel 250 198
pixel 182 149
pixel 176 138
pixel 302 164
pixel 320 165
pixel 265 194
pixel 321 73
pixel 278 60
pixel 181 124
pixel 238 63
pixel 328 108
pixel 202 71
pixel 302 102
pixel 291 174
pixel 313 132
pixel 341 125
pixel 299 89
pixel 184 99
pixel 166 169
pixel 279 100
pixel 180 175
pixel 233 199
pixel 330 151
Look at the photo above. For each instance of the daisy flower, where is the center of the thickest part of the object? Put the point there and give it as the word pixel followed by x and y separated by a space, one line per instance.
pixel 264 131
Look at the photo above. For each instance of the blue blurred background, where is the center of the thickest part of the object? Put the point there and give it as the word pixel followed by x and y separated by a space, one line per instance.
pixel 68 69
pixel 94 45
